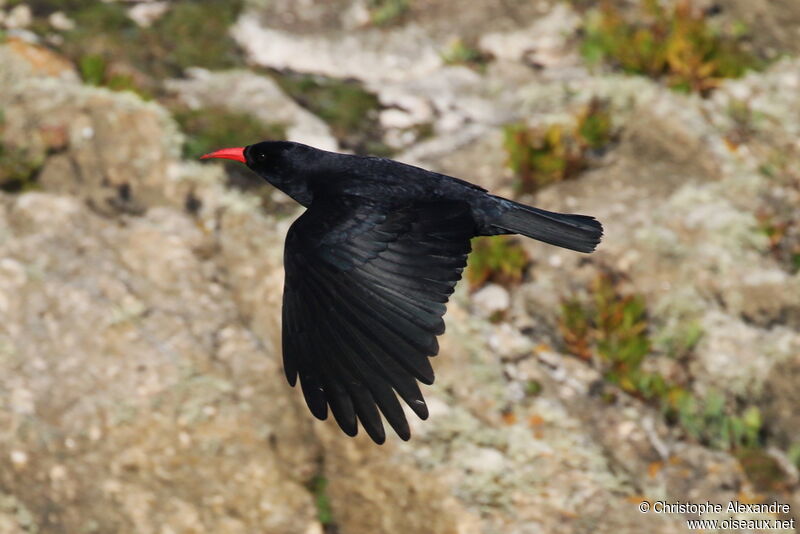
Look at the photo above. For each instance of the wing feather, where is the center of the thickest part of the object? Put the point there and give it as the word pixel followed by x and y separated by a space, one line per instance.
pixel 366 288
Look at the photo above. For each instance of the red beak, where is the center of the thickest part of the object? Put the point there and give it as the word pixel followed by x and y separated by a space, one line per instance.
pixel 236 154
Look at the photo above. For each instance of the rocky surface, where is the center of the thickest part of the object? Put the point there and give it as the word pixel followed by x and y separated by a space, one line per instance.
pixel 141 386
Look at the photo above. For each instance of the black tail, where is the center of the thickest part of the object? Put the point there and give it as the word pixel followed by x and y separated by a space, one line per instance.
pixel 576 232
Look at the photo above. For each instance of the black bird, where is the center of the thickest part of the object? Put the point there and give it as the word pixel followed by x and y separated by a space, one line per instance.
pixel 370 266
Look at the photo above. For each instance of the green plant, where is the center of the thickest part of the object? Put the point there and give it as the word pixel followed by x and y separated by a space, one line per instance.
pixel 459 52
pixel 672 43
pixel 533 388
pixel 208 129
pixel 195 34
pixel 594 128
pixel 499 259
pixel 680 339
pixel 387 12
pixel 350 110
pixel 794 454
pixel 106 42
pixel 542 156
pixel 318 487
pixel 621 336
pixel 17 169
pixel 95 71
pixel 710 421
pixel 783 234
pixel 575 324
pixel 763 470
pixel 613 327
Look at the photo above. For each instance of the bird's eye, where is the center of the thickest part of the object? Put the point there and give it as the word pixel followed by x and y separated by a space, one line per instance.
pixel 260 156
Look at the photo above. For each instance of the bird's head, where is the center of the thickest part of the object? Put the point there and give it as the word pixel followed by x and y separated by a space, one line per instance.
pixel 268 158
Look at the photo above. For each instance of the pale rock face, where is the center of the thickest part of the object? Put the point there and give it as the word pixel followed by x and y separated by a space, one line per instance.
pixel 371 55
pixel 18 18
pixel 544 42
pixel 145 14
pixel 490 299
pixel 246 92
pixel 60 21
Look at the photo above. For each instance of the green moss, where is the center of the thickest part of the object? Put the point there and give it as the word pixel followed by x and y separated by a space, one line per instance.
pixel 106 41
pixel 209 129
pixel 783 234
pixel 533 388
pixel 794 454
pixel 387 12
pixel 674 43
pixel 460 52
pixel 543 156
pixel 681 339
pixel 575 326
pixel 714 423
pixel 763 470
pixel 499 259
pixel 594 128
pixel 621 330
pixel 195 34
pixel 95 71
pixel 18 169
pixel 318 487
pixel 43 8
pixel 350 110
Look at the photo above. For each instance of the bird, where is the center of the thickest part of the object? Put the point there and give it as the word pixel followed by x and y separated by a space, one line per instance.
pixel 369 268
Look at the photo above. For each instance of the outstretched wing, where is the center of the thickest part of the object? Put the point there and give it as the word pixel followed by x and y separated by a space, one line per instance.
pixel 363 302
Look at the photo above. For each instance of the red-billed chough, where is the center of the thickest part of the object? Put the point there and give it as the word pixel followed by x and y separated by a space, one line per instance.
pixel 370 266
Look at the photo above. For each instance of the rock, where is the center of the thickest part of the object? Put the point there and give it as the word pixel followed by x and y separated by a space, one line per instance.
pixel 19 17
pixel 167 404
pixel 146 14
pixel 250 93
pixel 779 401
pixel 21 58
pixel 60 21
pixel 545 43
pixel 371 55
pixel 359 473
pixel 491 299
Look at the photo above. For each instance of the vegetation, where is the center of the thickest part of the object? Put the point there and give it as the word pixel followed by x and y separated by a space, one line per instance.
pixel 499 259
pixel 350 110
pixel 18 167
pixel 543 156
pixel 460 52
pixel 783 234
pixel 612 328
pixel 387 12
pixel 110 49
pixel 318 487
pixel 208 129
pixel 674 43
pixel 95 71
pixel 763 470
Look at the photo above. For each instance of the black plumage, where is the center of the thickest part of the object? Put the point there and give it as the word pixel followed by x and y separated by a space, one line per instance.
pixel 370 266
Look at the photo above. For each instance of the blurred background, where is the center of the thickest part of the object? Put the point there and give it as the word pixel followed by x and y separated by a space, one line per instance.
pixel 141 389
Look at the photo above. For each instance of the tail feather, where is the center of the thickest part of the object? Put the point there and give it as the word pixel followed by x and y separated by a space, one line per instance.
pixel 575 232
